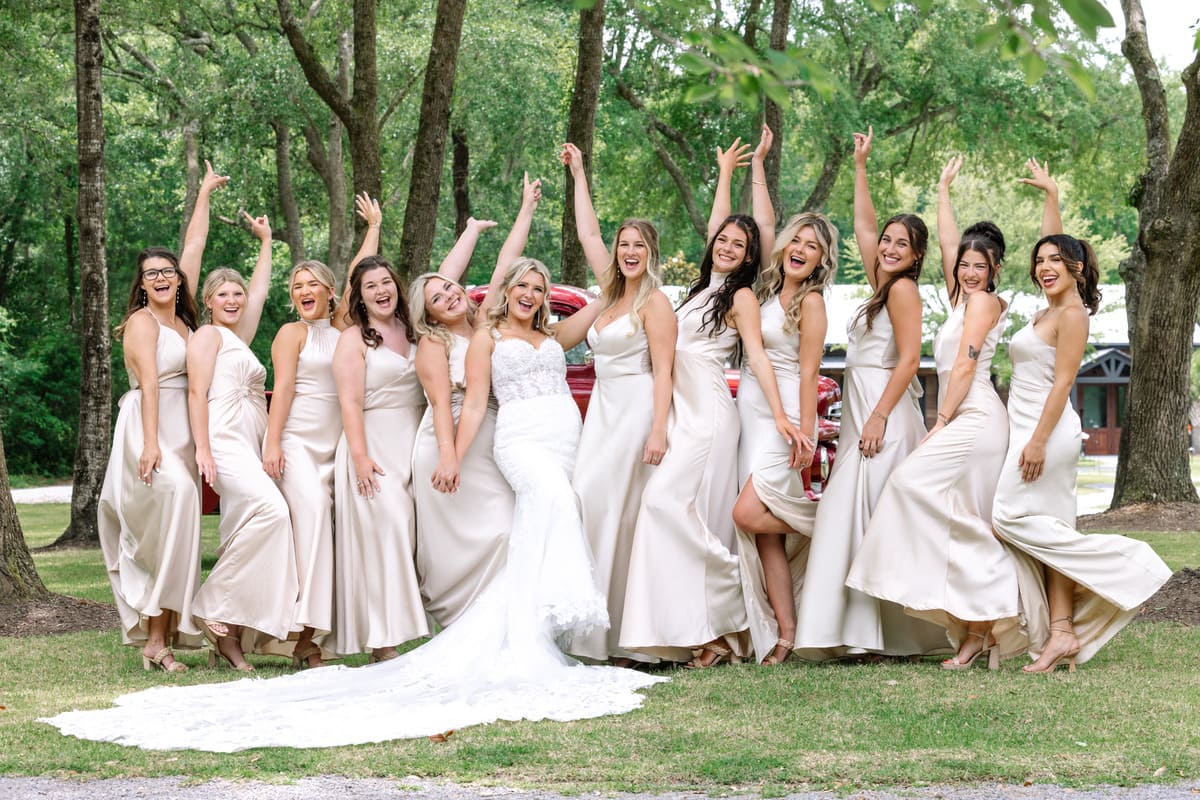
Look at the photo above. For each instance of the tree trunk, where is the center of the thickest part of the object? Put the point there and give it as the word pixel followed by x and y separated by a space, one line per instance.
pixel 819 195
pixel 780 17
pixel 191 156
pixel 581 128
pixel 293 233
pixel 18 577
pixel 1162 281
pixel 460 176
pixel 420 215
pixel 95 391
pixel 69 262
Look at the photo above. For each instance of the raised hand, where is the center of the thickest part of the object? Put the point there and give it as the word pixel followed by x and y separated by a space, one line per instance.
pixel 367 207
pixel 764 144
pixel 738 155
pixel 259 226
pixel 1041 177
pixel 572 159
pixel 862 145
pixel 950 171
pixel 211 179
pixel 531 192
pixel 481 225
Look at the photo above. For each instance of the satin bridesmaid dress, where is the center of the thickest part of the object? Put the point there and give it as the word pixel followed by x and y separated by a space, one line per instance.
pixel 763 456
pixel 1113 574
pixel 462 538
pixel 929 546
pixel 610 476
pixel 150 535
pixel 378 597
pixel 684 589
pixel 833 620
pixel 253 583
pixel 309 442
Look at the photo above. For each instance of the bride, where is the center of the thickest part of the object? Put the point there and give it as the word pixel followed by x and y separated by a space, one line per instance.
pixel 502 659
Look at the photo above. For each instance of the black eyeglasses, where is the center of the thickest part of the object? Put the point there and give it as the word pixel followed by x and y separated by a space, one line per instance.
pixel 165 272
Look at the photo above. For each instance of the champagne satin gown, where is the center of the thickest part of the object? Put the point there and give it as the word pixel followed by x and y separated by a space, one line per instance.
pixel 150 535
pixel 309 443
pixel 610 476
pixel 763 457
pixel 929 546
pixel 462 538
pixel 833 620
pixel 253 583
pixel 1113 574
pixel 684 588
pixel 378 597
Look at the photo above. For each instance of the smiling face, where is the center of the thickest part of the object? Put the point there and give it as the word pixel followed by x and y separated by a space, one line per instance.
pixel 226 303
pixel 380 294
pixel 633 255
pixel 525 296
pixel 1051 271
pixel 729 248
pixel 160 281
pixel 802 255
pixel 974 272
pixel 310 296
pixel 896 253
pixel 445 301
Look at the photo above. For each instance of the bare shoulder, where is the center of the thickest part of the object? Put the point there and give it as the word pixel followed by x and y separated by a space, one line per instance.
pixel 904 291
pixel 291 333
pixel 812 302
pixel 141 326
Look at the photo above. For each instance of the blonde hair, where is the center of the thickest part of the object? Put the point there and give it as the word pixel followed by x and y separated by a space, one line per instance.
pixel 424 325
pixel 771 280
pixel 324 276
pixel 612 283
pixel 519 269
pixel 213 282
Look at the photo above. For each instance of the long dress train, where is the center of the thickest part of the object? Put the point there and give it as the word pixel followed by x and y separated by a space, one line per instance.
pixel 500 659
pixel 834 620
pixel 764 456
pixel 1113 574
pixel 610 476
pixel 150 535
pixel 930 546
pixel 462 537
pixel 683 588
pixel 253 583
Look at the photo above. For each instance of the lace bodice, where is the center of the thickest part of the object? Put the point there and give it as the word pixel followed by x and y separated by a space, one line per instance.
pixel 521 371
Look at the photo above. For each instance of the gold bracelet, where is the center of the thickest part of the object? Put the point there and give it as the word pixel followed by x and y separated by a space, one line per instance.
pixel 759 183
pixel 942 418
pixel 881 416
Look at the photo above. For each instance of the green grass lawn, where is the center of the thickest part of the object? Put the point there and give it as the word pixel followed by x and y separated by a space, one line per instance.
pixel 1128 716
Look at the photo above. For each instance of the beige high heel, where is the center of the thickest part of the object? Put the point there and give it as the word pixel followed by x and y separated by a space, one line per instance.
pixel 215 632
pixel 771 660
pixel 720 652
pixel 1061 625
pixel 159 662
pixel 990 648
pixel 300 657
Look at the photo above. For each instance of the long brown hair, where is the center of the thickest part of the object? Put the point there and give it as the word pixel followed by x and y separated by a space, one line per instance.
pixel 721 301
pixel 918 236
pixel 1081 262
pixel 185 303
pixel 358 309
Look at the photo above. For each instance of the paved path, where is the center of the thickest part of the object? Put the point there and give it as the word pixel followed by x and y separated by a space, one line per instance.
pixel 414 788
pixel 43 494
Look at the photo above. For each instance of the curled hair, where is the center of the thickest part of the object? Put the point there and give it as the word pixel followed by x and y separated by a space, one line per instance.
pixel 987 240
pixel 771 281
pixel 612 282
pixel 918 237
pixel 518 270
pixel 322 273
pixel 1081 263
pixel 425 325
pixel 744 276
pixel 358 309
pixel 213 282
pixel 185 303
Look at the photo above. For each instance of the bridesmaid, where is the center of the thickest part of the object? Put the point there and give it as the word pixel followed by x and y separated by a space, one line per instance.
pixel 378 602
pixel 773 502
pixel 250 595
pixel 303 428
pixel 1095 582
pixel 149 512
pixel 881 424
pixel 684 591
pixel 633 342
pixel 461 538
pixel 930 546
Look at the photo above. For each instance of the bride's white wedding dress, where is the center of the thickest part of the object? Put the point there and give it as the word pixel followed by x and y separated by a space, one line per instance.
pixel 500 660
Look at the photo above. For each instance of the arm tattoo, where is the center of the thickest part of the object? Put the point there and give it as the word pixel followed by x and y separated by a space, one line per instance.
pixel 972 353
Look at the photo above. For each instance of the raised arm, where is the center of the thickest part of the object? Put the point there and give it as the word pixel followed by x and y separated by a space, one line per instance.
pixel 904 310
pixel 738 155
pixel 572 330
pixel 661 331
pixel 196 236
pixel 947 228
pixel 202 350
pixel 433 368
pixel 285 356
pixel 748 317
pixel 1051 215
pixel 350 375
pixel 478 369
pixel 260 279
pixel 514 245
pixel 982 312
pixel 1070 342
pixel 455 264
pixel 367 208
pixel 762 208
pixel 866 226
pixel 586 225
